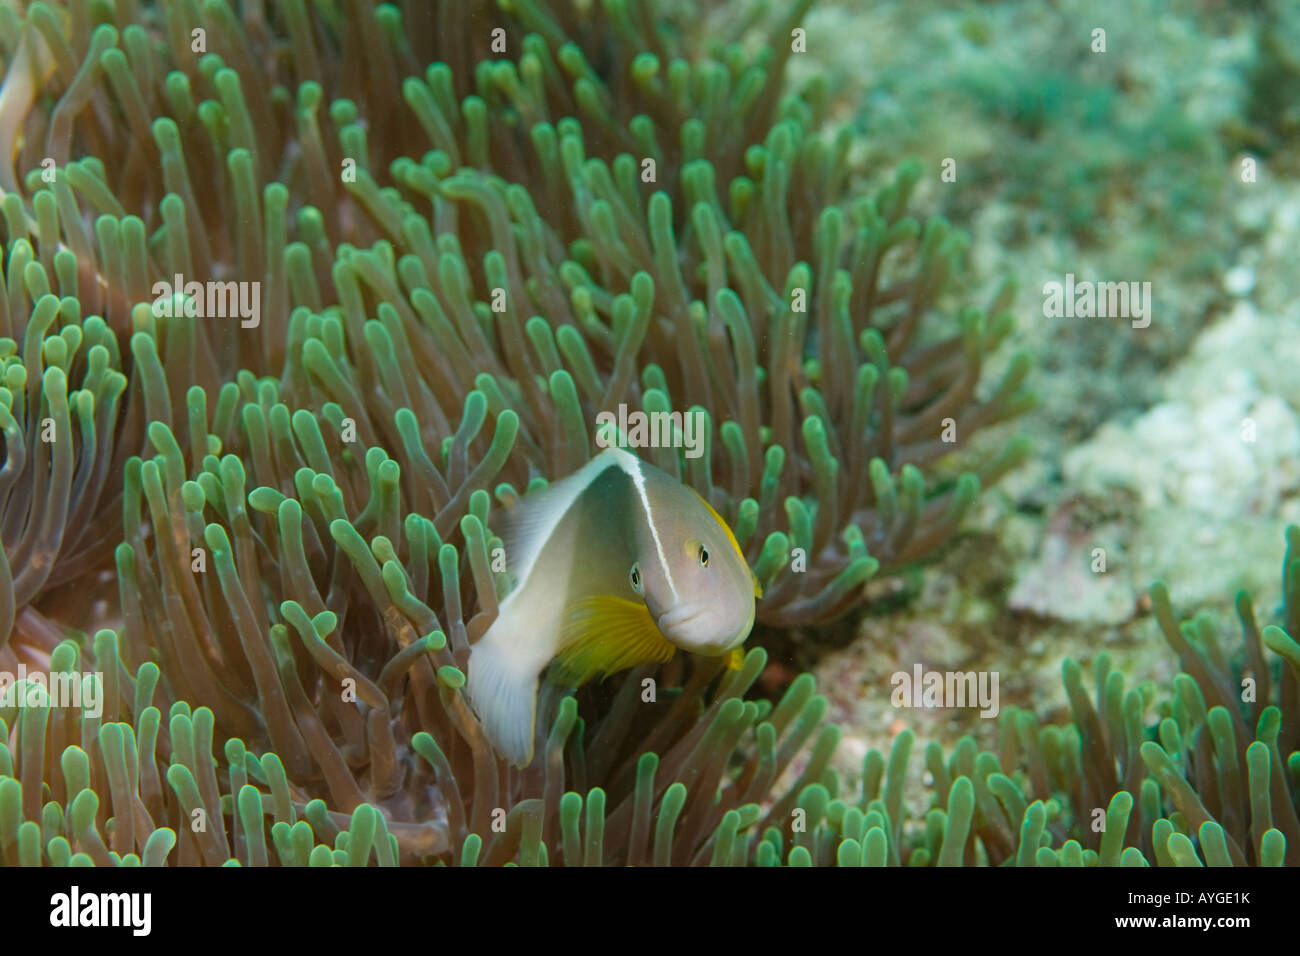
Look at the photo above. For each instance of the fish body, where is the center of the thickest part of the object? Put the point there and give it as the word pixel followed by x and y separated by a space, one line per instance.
pixel 616 565
pixel 23 81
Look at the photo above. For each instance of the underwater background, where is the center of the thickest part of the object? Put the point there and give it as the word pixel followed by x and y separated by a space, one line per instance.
pixel 258 527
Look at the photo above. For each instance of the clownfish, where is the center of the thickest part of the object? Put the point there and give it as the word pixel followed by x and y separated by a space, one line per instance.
pixel 32 66
pixel 616 565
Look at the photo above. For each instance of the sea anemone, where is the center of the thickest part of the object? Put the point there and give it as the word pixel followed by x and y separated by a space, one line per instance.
pixel 459 266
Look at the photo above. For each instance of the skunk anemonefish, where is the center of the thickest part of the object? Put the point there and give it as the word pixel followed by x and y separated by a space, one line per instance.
pixel 616 565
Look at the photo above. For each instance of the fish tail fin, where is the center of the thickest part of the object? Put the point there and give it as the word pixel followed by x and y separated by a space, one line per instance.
pixel 502 686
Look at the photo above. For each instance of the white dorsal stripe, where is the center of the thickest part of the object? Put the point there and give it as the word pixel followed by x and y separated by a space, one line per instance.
pixel 632 465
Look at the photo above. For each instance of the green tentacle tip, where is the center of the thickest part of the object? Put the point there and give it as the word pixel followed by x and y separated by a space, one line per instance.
pixel 1272 848
pixel 452 677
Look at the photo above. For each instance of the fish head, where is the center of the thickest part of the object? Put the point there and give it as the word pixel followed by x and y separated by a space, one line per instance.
pixel 694 578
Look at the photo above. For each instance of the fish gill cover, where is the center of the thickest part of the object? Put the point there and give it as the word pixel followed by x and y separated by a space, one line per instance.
pixel 299 298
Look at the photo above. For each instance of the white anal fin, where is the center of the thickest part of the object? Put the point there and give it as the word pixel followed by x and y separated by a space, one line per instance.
pixel 502 687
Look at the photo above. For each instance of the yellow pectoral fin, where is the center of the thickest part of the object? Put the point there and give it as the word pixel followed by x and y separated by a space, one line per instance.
pixel 735 658
pixel 607 634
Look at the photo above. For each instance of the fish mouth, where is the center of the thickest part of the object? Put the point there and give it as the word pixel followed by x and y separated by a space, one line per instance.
pixel 671 621
pixel 673 625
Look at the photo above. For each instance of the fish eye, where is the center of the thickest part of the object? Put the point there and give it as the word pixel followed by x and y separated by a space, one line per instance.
pixel 635 578
pixel 702 555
